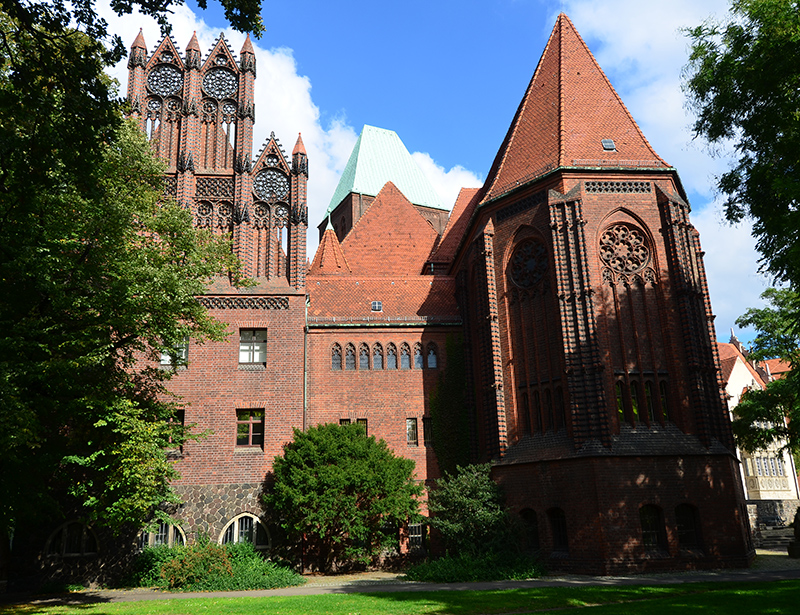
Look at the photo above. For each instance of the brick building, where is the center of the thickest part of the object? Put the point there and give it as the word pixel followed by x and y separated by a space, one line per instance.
pixel 573 276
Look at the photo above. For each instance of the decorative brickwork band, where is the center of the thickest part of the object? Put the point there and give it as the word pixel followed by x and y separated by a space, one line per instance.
pixel 578 322
pixel 520 206
pixel 617 187
pixel 215 186
pixel 244 303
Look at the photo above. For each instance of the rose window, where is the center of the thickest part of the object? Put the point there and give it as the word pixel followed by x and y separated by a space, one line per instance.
pixel 281 216
pixel 165 80
pixel 209 106
pixel 624 249
pixel 261 210
pixel 220 83
pixel 528 264
pixel 204 209
pixel 154 105
pixel 271 184
pixel 229 108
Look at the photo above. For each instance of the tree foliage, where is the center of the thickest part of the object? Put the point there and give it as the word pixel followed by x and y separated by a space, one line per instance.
pixel 97 272
pixel 760 418
pixel 743 82
pixel 344 493
pixel 469 512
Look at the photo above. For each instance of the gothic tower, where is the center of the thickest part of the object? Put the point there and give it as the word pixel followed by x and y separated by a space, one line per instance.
pixel 591 337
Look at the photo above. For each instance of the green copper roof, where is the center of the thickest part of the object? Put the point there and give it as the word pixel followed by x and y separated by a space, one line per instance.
pixel 379 156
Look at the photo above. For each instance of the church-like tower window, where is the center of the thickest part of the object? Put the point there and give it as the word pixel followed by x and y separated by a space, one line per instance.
pixel 662 387
pixel 165 80
pixel 336 357
pixel 391 357
pixel 418 362
pixel 432 356
pixel 648 398
pixel 405 356
pixel 363 357
pixel 349 357
pixel 377 357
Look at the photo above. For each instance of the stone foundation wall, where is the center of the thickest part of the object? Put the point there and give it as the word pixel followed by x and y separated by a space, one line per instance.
pixel 207 509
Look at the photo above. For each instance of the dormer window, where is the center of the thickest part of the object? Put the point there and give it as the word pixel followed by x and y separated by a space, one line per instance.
pixel 608 145
pixel 377 306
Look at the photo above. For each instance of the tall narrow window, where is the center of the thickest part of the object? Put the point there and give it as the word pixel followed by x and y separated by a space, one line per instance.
pixel 635 407
pixel 250 427
pixel 548 402
pixel 363 357
pixel 412 439
pixel 524 413
pixel 336 357
pixel 653 532
pixel 432 358
pixel 377 357
pixel 537 411
pixel 662 387
pixel 405 356
pixel 349 357
pixel 252 346
pixel 418 356
pixel 648 398
pixel 363 423
pixel 391 357
pixel 620 402
pixel 427 433
pixel 561 420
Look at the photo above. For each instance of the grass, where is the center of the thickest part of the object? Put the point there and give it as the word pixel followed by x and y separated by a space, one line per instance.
pixel 707 598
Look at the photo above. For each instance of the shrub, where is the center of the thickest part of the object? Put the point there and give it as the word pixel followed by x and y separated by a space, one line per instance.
pixel 146 568
pixel 468 568
pixel 197 566
pixel 468 512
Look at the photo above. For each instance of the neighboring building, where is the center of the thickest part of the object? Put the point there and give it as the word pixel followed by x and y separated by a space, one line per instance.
pixel 769 475
pixel 573 276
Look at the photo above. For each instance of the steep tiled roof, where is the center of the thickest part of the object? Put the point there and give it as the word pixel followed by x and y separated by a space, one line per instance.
pixel 391 238
pixel 138 42
pixel 299 147
pixel 337 299
pixel 379 156
pixel 465 205
pixel 329 259
pixel 568 108
pixel 728 355
pixel 778 367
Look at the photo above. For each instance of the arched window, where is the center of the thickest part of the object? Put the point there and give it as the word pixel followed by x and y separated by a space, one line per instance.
pixel 638 415
pixel 688 522
pixel 558 529
pixel 363 357
pixel 391 356
pixel 662 387
pixel 350 357
pixel 164 534
pixel 620 402
pixel 524 413
pixel 530 524
pixel 649 402
pixel 405 356
pixel 336 357
pixel 561 420
pixel 246 528
pixel 71 539
pixel 548 402
pixel 432 356
pixel 377 356
pixel 654 536
pixel 418 356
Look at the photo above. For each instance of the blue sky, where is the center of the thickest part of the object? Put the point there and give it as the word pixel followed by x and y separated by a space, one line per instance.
pixel 447 76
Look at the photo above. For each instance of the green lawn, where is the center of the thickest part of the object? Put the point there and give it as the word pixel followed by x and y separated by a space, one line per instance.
pixel 707 598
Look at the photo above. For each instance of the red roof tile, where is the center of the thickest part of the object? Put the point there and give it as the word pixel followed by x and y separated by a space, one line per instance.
pixel 391 238
pixel 728 355
pixel 403 298
pixel 193 44
pixel 248 46
pixel 463 209
pixel 329 259
pixel 299 148
pixel 139 41
pixel 569 107
pixel 778 367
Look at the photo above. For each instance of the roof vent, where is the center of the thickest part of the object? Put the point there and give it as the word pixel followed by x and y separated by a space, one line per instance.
pixel 608 145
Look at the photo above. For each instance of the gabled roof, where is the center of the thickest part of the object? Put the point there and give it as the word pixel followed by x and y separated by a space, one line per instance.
pixel 379 156
pixel 729 355
pixel 391 238
pixel 329 259
pixel 568 109
pixel 465 205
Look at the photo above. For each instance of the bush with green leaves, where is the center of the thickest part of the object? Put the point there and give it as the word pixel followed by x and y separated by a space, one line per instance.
pixel 469 568
pixel 345 494
pixel 469 513
pixel 206 566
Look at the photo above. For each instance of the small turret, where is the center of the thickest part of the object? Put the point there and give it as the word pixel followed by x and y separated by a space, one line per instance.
pixel 193 53
pixel 299 157
pixel 138 56
pixel 247 62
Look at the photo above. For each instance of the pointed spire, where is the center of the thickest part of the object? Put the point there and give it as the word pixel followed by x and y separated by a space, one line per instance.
pixel 138 43
pixel 248 46
pixel 193 44
pixel 299 148
pixel 329 258
pixel 571 116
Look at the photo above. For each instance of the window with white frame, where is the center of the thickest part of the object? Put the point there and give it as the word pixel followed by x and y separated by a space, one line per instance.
pixel 252 346
pixel 412 439
pixel 177 356
pixel 166 534
pixel 246 528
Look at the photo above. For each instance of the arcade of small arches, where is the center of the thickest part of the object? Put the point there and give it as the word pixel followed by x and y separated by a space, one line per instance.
pixel 404 357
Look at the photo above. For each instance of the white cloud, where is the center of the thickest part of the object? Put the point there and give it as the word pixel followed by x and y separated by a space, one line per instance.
pixel 446 183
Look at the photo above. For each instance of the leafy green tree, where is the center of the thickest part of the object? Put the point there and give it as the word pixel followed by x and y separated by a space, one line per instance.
pixel 743 83
pixel 760 417
pixel 344 493
pixel 469 512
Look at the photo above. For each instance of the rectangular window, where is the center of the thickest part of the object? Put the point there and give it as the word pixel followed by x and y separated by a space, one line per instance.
pixel 252 346
pixel 772 466
pixel 180 352
pixel 344 421
pixel 411 432
pixel 363 423
pixel 427 433
pixel 416 533
pixel 758 466
pixel 780 466
pixel 377 306
pixel 250 427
